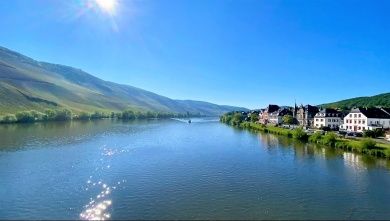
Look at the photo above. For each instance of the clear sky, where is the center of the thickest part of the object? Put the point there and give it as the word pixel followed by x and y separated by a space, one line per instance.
pixel 237 52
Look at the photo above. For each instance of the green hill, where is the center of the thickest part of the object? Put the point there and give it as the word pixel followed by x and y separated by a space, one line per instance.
pixel 26 84
pixel 377 100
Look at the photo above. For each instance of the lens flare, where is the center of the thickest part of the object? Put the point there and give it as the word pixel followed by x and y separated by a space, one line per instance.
pixel 107 6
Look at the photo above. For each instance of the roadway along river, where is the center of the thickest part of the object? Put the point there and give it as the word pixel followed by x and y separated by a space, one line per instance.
pixel 168 169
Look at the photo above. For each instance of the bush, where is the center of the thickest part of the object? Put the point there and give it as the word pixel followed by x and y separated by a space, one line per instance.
pixel 64 114
pixel 84 116
pixel 24 117
pixel 237 119
pixel 316 137
pixel 368 144
pixel 97 115
pixel 10 118
pixel 329 138
pixel 299 134
pixel 128 115
pixel 50 115
pixel 374 133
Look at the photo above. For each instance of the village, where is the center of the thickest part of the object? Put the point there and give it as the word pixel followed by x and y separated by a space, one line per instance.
pixel 359 121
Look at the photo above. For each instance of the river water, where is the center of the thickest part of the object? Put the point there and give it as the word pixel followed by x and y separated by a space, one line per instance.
pixel 169 169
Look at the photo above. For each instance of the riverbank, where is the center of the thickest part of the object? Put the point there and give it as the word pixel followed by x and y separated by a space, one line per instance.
pixel 331 139
pixel 67 115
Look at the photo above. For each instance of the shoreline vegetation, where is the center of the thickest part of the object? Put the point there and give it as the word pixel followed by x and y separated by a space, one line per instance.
pixel 366 146
pixel 67 115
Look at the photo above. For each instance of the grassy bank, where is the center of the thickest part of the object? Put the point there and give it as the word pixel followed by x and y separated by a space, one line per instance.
pixel 366 146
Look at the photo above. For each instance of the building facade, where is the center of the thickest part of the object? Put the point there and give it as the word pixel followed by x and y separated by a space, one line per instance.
pixel 305 115
pixel 328 118
pixel 276 117
pixel 361 119
pixel 265 113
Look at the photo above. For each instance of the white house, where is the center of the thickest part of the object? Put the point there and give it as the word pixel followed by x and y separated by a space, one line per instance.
pixel 276 117
pixel 328 118
pixel 360 119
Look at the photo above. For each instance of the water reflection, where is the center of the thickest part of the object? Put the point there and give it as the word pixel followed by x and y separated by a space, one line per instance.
pixel 15 137
pixel 304 150
pixel 171 170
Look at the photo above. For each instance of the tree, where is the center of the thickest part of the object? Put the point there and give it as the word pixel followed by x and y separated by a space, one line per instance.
pixel 64 114
pixel 84 116
pixel 24 117
pixel 254 117
pixel 288 119
pixel 236 119
pixel 10 118
pixel 128 115
pixel 50 114
pixel 374 133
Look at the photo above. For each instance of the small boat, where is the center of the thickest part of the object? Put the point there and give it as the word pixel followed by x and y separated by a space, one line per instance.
pixel 189 121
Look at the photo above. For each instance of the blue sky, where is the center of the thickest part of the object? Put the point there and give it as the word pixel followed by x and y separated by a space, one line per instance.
pixel 237 52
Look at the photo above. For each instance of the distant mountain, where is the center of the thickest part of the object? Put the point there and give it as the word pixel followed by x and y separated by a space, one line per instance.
pixel 27 84
pixel 377 100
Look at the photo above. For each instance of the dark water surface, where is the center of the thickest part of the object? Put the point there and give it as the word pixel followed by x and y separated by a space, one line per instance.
pixel 167 169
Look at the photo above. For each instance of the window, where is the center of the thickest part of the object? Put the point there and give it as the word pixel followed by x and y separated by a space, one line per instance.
pixel 322 120
pixel 360 115
pixel 360 122
pixel 364 128
pixel 355 121
pixel 329 120
pixel 359 128
pixel 355 115
pixel 316 120
pixel 364 122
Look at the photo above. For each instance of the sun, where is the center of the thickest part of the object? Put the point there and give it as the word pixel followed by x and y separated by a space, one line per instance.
pixel 108 6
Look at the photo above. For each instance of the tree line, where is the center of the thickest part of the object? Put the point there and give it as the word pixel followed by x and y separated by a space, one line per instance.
pixel 66 114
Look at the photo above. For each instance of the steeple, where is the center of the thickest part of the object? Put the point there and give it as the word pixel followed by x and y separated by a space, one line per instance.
pixel 295 109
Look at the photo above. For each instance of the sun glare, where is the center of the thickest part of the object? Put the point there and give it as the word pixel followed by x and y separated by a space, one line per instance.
pixel 108 6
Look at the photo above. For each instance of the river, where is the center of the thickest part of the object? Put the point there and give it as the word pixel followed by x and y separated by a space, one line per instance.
pixel 169 169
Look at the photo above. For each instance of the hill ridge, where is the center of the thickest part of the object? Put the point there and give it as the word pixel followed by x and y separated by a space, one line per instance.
pixel 22 77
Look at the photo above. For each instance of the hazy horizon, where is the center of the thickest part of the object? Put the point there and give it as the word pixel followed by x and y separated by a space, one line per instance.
pixel 239 53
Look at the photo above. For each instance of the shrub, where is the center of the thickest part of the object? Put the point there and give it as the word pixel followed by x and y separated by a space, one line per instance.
pixel 316 137
pixel 10 118
pixel 24 117
pixel 299 134
pixel 127 115
pixel 368 144
pixel 96 115
pixel 373 133
pixel 236 119
pixel 50 115
pixel 329 138
pixel 84 116
pixel 64 114
pixel 38 116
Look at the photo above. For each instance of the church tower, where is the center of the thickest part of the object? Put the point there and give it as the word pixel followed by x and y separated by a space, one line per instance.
pixel 295 109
